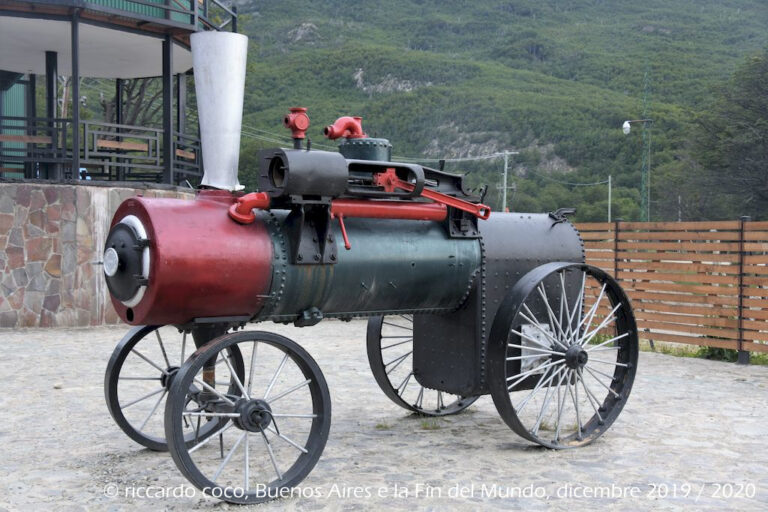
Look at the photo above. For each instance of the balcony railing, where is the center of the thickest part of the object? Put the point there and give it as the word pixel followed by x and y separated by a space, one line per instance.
pixel 193 14
pixel 41 148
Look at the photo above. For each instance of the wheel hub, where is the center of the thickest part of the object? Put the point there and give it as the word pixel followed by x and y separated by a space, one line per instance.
pixel 576 357
pixel 255 415
pixel 167 378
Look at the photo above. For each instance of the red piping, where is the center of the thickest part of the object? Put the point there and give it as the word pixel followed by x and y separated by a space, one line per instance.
pixel 348 127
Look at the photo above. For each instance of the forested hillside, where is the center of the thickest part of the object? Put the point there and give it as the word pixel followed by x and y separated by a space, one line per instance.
pixel 553 79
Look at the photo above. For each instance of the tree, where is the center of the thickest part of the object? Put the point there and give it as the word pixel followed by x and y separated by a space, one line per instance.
pixel 731 141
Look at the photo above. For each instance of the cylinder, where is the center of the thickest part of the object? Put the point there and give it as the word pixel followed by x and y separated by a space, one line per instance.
pixel 173 261
pixel 393 266
pixel 198 263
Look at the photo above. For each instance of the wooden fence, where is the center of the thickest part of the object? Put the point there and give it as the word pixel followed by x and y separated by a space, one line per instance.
pixel 701 283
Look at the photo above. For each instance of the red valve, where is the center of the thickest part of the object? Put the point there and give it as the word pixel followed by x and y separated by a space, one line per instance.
pixel 348 127
pixel 297 121
pixel 242 210
pixel 391 182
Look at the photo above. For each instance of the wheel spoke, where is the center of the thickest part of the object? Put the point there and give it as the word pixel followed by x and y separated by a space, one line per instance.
pixel 545 351
pixel 228 457
pixel 271 455
pixel 291 390
pixel 397 362
pixel 542 381
pixel 610 318
pixel 602 383
pixel 612 363
pixel 553 323
pixel 406 318
pixel 545 405
pixel 575 399
pixel 404 384
pixel 246 469
pixel 253 366
pixel 615 338
pixel 398 326
pixel 610 377
pixel 138 378
pixel 596 404
pixel 157 404
pixel 561 405
pixel 398 343
pixel 294 415
pixel 236 379
pixel 521 376
pixel 162 348
pixel 208 414
pixel 587 320
pixel 212 436
pixel 420 398
pixel 183 346
pixel 153 393
pixel 148 361
pixel 274 377
pixel 214 391
pixel 537 325
pixel 517 358
pixel 288 440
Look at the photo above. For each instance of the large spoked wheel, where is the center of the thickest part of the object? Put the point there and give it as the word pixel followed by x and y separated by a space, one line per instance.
pixel 390 354
pixel 139 375
pixel 278 418
pixel 563 354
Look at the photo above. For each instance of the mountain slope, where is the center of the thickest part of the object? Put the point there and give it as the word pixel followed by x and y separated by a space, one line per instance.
pixel 554 79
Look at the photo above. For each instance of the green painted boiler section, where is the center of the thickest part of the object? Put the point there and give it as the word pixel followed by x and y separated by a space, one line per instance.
pixel 393 266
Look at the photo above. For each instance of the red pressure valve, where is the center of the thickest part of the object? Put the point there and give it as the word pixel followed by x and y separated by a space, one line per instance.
pixel 347 127
pixel 297 121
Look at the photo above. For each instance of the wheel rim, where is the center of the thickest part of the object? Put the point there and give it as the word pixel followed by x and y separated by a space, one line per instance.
pixel 564 365
pixel 138 377
pixel 276 421
pixel 390 354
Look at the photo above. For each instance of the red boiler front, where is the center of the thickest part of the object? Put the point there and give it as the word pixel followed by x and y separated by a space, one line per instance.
pixel 169 261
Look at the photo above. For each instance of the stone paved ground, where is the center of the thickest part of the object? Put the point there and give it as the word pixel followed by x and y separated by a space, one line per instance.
pixel 691 427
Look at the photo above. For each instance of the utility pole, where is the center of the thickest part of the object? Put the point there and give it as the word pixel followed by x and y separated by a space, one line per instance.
pixel 504 183
pixel 645 186
pixel 609 198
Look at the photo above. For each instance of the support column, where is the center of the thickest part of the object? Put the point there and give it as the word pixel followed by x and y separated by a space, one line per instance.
pixel 119 119
pixel 168 109
pixel 75 94
pixel 743 355
pixel 31 113
pixel 181 102
pixel 51 100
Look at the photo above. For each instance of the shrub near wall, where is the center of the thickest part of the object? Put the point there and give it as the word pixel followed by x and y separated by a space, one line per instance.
pixel 51 239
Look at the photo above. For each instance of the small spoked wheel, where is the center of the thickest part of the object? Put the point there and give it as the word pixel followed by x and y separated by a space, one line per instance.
pixel 272 427
pixel 139 375
pixel 563 355
pixel 390 354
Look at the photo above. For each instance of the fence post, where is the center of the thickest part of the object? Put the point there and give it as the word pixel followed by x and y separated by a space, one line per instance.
pixel 616 249
pixel 743 357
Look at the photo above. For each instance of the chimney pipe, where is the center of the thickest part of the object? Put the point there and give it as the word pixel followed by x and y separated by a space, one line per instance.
pixel 219 65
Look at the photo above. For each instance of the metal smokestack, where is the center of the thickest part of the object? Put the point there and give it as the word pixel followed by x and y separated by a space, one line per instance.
pixel 219 64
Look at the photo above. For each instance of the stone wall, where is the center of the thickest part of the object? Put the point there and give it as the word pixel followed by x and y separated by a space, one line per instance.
pixel 51 240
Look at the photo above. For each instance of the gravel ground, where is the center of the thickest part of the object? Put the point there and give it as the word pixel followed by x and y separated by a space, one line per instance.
pixel 692 433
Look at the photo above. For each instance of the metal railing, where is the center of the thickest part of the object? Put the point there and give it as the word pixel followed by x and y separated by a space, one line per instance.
pixel 42 148
pixel 37 146
pixel 190 14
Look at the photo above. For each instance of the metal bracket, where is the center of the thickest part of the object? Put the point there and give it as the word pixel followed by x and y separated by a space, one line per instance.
pixel 312 241
pixel 309 317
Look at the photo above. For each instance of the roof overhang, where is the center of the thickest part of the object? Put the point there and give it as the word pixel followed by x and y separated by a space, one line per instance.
pixel 104 52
